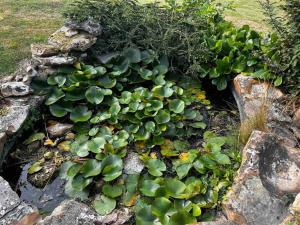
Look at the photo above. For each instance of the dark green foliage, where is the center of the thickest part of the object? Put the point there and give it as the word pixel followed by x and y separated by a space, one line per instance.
pixel 285 20
pixel 171 29
pixel 239 50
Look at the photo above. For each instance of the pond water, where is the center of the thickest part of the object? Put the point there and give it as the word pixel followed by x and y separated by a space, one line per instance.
pixel 45 199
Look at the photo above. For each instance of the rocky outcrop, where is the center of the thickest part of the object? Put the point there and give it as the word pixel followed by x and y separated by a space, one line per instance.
pixel 254 97
pixel 65 47
pixel 14 88
pixel 71 212
pixel 12 208
pixel 269 177
pixel 90 26
pixel 250 194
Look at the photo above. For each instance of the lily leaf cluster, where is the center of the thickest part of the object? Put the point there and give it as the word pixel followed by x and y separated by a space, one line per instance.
pixel 126 102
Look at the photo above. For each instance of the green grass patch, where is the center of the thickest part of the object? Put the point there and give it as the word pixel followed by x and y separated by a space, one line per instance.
pixel 24 22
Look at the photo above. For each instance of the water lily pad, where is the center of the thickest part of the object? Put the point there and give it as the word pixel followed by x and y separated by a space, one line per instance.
pixel 55 96
pixel 176 105
pixel 80 114
pixel 156 167
pixel 112 166
pixel 163 116
pixel 133 55
pixel 91 168
pixel 104 205
pixel 94 95
pixel 112 191
pixel 149 187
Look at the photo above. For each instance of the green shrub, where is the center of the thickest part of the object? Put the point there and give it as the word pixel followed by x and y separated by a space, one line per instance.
pixel 193 34
pixel 239 50
pixel 285 20
pixel 176 30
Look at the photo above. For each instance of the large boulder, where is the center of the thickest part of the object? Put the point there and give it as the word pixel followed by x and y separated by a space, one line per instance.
pixel 12 208
pixel 66 39
pixel 71 212
pixel 260 99
pixel 252 200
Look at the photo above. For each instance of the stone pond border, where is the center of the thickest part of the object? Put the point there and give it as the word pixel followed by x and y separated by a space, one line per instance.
pixel 266 188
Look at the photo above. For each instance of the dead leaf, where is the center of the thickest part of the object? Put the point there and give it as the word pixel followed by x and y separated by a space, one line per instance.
pixel 29 219
pixel 49 142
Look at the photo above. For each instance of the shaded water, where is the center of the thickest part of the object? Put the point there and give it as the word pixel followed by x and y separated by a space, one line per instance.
pixel 45 199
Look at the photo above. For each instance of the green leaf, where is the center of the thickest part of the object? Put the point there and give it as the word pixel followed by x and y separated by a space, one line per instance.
pixel 163 116
pixel 79 182
pixel 160 206
pixel 55 96
pixel 58 110
pixel 112 166
pixel 145 74
pixel 91 168
pixel 75 94
pixel 142 134
pixel 196 210
pixel 97 144
pixel 104 205
pixel 114 108
pixel 34 168
pixel 156 167
pixel 112 191
pixel 162 91
pixel 107 82
pixel 156 105
pixel 144 216
pixel 101 116
pixel 182 217
pixel 94 95
pixel 73 170
pixel 101 70
pixel 222 159
pixel 278 81
pixel 60 80
pixel 74 193
pixel 133 55
pixel 35 137
pixel 175 187
pixel 160 69
pixel 80 114
pixel 176 105
pixel 183 170
pixel 149 187
pixel 150 126
pixel 200 125
pixel 125 97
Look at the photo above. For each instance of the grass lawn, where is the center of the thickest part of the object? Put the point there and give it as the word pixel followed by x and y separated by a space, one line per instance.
pixel 23 22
